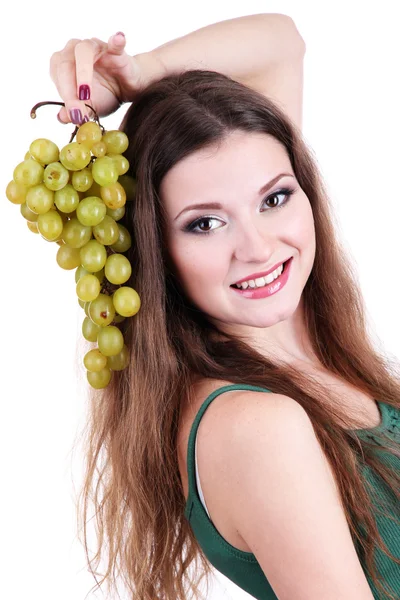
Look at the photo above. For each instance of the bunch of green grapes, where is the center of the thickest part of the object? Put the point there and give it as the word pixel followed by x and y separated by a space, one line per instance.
pixel 75 197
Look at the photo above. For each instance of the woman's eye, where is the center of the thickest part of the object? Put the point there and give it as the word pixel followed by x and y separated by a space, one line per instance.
pixel 274 196
pixel 199 222
pixel 195 226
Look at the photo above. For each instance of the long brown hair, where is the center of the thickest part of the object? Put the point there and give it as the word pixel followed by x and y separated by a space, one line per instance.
pixel 132 474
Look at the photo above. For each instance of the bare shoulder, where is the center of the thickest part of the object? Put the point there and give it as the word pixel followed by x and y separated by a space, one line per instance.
pixel 262 460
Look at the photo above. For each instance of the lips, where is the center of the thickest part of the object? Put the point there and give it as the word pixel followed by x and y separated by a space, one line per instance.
pixel 263 274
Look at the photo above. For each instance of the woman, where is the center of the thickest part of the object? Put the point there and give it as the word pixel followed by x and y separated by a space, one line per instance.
pixel 299 493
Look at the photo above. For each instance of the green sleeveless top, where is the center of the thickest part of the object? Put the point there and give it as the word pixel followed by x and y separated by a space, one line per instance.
pixel 242 567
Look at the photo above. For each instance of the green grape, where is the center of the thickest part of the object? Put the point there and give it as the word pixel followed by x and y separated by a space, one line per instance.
pixel 67 199
pixel 16 193
pixel 28 214
pixel 113 195
pixel 29 173
pixel 110 340
pixel 63 216
pixel 126 301
pixel 75 156
pixel 104 171
pixel 81 304
pixel 90 330
pixel 129 184
pixel 75 234
pixel 50 225
pixel 68 258
pixel 99 380
pixel 44 151
pixel 121 162
pixel 94 190
pixel 102 310
pixel 82 180
pixel 116 141
pixel 118 319
pixel 32 226
pixel 80 271
pixel 100 275
pixel 94 360
pixel 55 176
pixel 88 288
pixel 28 155
pixel 119 361
pixel 91 211
pixel 116 213
pixel 86 308
pixel 89 134
pixel 99 149
pixel 107 231
pixel 39 199
pixel 93 256
pixel 124 241
pixel 60 242
pixel 117 269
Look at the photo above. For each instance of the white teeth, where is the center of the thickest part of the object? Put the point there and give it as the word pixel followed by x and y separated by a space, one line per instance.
pixel 261 281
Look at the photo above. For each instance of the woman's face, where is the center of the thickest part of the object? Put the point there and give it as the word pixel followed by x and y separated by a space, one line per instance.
pixel 248 233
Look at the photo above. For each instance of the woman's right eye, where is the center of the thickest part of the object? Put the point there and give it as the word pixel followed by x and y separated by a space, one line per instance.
pixel 191 228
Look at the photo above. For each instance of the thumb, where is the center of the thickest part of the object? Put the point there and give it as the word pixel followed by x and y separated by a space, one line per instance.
pixel 116 43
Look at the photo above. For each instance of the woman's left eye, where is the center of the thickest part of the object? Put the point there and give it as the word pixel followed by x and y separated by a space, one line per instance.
pixel 286 193
pixel 191 227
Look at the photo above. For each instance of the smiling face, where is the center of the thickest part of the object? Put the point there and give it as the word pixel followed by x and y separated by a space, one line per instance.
pixel 251 231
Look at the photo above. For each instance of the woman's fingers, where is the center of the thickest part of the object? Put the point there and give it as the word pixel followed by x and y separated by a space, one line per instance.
pixel 62 71
pixel 72 69
pixel 84 59
pixel 116 43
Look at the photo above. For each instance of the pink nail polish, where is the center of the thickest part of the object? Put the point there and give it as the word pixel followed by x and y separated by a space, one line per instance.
pixel 84 92
pixel 75 116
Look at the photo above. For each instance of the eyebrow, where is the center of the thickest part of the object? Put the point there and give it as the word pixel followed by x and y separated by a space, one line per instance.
pixel 217 205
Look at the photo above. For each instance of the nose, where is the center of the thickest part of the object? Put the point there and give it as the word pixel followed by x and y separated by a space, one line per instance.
pixel 253 244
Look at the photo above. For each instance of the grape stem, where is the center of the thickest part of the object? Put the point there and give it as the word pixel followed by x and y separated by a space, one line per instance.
pixel 39 104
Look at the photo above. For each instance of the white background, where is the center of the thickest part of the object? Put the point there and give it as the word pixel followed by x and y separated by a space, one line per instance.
pixel 351 122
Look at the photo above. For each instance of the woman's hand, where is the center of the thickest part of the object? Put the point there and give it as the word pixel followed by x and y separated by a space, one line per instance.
pixel 96 73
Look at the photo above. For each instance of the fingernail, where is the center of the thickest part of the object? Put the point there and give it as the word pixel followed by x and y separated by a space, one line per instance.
pixel 120 33
pixel 84 92
pixel 75 116
pixel 85 119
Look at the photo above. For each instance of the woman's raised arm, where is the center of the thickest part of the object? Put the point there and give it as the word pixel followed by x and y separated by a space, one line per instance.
pixel 259 49
pixel 264 51
pixel 241 48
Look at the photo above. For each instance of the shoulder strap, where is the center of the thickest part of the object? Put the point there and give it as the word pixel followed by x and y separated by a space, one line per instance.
pixel 193 432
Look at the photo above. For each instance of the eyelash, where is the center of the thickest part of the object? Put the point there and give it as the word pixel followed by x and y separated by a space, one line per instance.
pixel 287 192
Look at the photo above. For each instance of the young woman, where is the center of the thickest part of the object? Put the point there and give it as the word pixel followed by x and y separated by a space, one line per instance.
pixel 256 428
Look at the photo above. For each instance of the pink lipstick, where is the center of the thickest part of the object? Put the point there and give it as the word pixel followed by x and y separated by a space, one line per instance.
pixel 270 288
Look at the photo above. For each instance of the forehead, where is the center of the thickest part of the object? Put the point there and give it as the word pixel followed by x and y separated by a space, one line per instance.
pixel 241 159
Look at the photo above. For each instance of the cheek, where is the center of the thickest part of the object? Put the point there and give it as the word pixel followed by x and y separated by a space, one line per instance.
pixel 197 264
pixel 301 226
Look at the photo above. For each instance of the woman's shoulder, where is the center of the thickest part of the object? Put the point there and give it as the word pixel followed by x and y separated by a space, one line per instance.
pixel 238 399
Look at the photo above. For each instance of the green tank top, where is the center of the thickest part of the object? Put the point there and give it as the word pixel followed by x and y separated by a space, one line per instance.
pixel 242 567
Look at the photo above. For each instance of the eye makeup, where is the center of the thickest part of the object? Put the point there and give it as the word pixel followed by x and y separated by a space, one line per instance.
pixel 190 227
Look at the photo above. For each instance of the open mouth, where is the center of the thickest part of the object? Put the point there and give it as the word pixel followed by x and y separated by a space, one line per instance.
pixel 234 285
